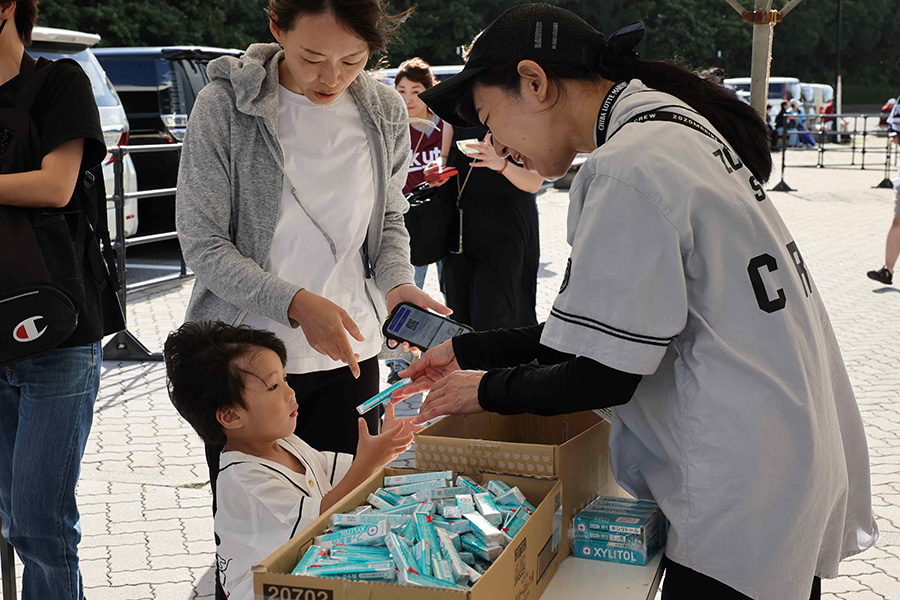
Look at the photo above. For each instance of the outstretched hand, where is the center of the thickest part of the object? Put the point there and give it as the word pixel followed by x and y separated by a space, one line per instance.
pixel 396 435
pixel 433 366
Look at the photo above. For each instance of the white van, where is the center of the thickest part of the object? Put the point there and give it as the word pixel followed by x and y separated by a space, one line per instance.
pixel 780 88
pixel 61 43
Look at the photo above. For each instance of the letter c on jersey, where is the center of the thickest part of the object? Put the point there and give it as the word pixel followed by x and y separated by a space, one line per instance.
pixel 759 288
pixel 27 330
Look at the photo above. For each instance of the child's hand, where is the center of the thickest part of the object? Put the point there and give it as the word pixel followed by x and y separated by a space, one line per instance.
pixel 375 451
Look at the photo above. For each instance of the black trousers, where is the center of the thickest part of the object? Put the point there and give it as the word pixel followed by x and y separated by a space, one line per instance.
pixel 326 416
pixel 493 284
pixel 682 583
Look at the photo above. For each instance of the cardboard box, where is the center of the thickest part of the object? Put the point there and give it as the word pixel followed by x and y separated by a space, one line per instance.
pixel 521 572
pixel 573 448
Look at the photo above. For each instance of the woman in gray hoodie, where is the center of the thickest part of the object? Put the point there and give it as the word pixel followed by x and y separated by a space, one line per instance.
pixel 290 209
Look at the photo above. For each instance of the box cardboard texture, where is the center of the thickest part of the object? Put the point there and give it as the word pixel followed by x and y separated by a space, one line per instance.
pixel 522 572
pixel 573 448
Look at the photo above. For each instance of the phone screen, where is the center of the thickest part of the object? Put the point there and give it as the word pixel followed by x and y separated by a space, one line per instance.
pixel 423 328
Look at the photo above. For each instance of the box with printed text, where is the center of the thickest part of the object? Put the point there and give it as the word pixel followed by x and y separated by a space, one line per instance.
pixel 573 448
pixel 521 571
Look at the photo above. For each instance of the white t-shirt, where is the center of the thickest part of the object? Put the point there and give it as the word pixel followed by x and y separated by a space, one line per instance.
pixel 326 156
pixel 744 428
pixel 261 505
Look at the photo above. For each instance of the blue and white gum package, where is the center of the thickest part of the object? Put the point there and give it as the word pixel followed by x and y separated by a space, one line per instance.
pixel 414 545
pixel 618 530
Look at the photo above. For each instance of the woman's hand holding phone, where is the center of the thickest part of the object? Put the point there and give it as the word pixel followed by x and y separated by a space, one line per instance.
pixel 433 167
pixel 408 292
pixel 433 366
pixel 326 325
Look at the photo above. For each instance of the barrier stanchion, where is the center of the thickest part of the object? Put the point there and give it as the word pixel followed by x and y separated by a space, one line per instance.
pixel 837 137
pixel 886 182
pixel 820 151
pixel 8 569
pixel 782 185
pixel 124 346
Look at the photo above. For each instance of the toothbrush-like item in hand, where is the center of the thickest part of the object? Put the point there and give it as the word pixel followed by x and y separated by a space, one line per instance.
pixel 382 397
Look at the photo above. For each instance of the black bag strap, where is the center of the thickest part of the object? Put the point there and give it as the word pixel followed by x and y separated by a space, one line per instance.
pixel 32 80
pixel 105 270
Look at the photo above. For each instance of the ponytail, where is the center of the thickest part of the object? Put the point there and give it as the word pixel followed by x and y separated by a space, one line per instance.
pixel 742 127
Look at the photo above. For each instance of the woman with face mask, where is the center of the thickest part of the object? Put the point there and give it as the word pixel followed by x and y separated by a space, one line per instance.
pixel 290 205
pixel 686 304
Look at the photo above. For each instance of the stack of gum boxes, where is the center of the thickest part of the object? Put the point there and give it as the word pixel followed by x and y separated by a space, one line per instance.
pixel 619 530
pixel 421 530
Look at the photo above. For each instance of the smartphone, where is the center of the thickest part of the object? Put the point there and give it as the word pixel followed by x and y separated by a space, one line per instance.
pixel 465 145
pixel 421 328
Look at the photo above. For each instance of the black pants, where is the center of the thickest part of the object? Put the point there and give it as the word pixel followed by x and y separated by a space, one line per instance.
pixel 682 583
pixel 326 417
pixel 493 284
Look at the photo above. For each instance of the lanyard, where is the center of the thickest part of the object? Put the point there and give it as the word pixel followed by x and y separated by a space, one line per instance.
pixel 603 116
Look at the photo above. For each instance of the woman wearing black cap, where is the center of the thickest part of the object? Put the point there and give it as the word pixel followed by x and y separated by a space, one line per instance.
pixel 686 303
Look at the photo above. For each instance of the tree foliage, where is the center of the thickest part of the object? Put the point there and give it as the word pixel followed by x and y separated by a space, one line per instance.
pixel 698 32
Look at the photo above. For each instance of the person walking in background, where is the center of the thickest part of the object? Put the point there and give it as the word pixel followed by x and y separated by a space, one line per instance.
pixel 47 400
pixel 885 274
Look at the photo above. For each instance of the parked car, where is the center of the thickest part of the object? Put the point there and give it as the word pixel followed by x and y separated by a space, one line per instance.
pixel 441 72
pixel 780 88
pixel 61 43
pixel 158 87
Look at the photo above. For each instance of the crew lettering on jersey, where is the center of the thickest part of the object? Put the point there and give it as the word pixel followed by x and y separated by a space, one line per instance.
pixel 744 432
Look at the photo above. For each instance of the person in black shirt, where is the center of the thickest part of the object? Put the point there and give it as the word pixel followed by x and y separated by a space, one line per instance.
pixel 46 403
pixel 493 282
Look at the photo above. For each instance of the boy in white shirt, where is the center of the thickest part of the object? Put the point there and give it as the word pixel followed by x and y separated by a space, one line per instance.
pixel 229 383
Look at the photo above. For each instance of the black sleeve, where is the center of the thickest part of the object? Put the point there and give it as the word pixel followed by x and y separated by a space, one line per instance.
pixel 575 385
pixel 505 348
pixel 69 112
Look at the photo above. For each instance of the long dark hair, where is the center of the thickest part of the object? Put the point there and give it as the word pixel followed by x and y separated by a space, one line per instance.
pixel 369 19
pixel 742 127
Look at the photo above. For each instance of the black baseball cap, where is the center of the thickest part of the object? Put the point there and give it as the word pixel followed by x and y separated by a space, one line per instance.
pixel 528 31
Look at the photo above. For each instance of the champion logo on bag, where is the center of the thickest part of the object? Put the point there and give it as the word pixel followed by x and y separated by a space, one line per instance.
pixel 27 330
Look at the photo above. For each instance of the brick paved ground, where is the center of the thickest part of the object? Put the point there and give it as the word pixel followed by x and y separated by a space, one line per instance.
pixel 144 492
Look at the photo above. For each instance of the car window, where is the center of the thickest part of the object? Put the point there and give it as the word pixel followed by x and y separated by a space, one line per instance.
pixel 171 93
pixel 104 93
pixel 776 91
pixel 136 82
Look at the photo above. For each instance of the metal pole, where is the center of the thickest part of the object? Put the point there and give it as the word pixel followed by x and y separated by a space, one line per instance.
pixel 820 163
pixel 119 203
pixel 123 345
pixel 782 185
pixel 865 134
pixel 8 569
pixel 853 143
pixel 837 90
pixel 759 69
pixel 886 182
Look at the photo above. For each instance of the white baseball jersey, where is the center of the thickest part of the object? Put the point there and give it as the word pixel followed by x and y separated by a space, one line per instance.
pixel 744 428
pixel 261 505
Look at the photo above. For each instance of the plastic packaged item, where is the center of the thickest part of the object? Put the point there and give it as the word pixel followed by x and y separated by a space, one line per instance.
pixel 360 553
pixel 484 503
pixel 309 557
pixel 513 497
pixel 364 535
pixel 354 520
pixel 450 553
pixel 477 547
pixel 411 488
pixel 423 553
pixel 466 503
pixel 393 480
pixel 451 512
pixel 461 526
pixel 382 397
pixel 379 502
pixel 394 499
pixel 484 531
pixel 380 570
pixel 450 492
pixel 402 556
pixel 467 557
pixel 515 524
pixel 462 480
pixel 629 554
pixel 440 568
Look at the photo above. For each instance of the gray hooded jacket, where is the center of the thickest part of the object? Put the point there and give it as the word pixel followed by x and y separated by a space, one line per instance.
pixel 230 185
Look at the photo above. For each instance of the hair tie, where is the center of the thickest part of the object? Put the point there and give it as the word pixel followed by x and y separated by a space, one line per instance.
pixel 618 57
